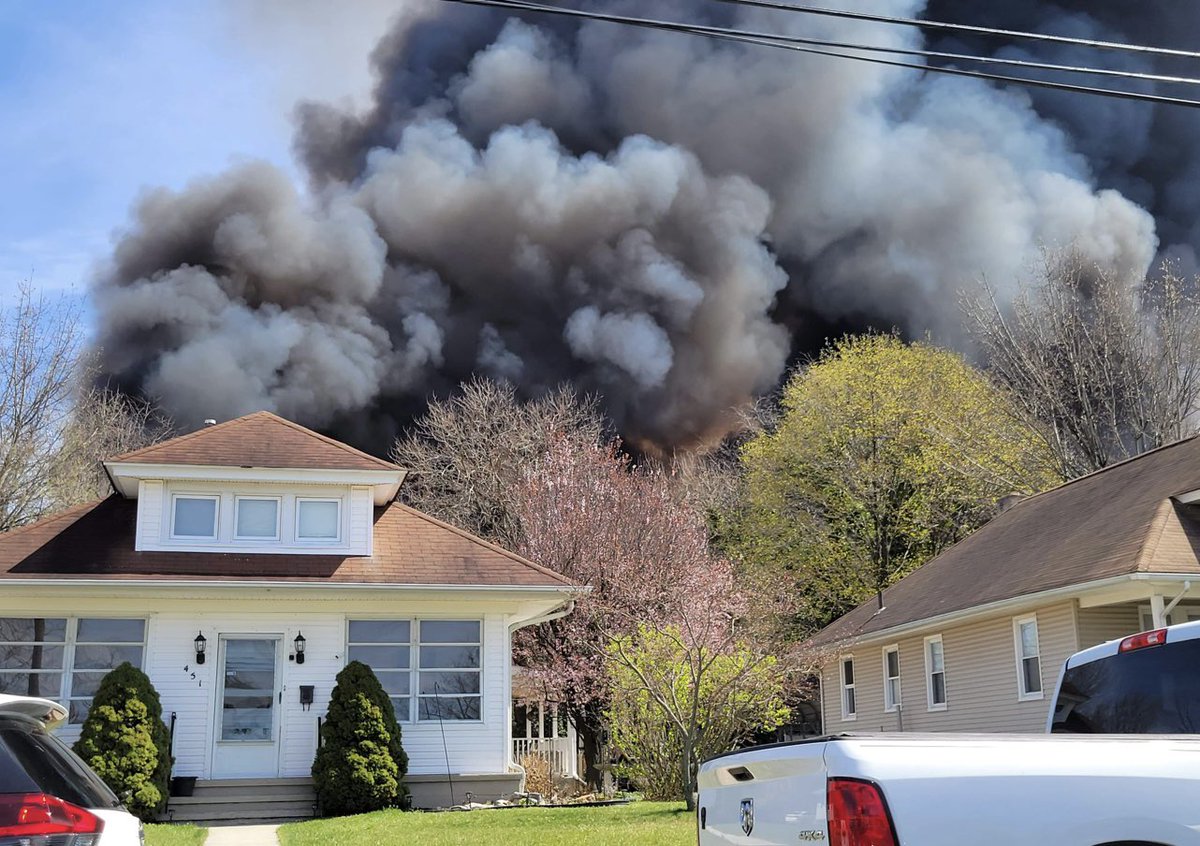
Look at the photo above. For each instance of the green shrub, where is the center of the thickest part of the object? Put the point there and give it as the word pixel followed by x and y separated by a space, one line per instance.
pixel 126 742
pixel 361 763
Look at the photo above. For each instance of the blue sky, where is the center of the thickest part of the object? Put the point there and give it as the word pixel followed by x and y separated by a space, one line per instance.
pixel 101 100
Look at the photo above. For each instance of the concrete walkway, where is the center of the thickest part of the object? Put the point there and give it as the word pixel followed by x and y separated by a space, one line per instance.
pixel 242 835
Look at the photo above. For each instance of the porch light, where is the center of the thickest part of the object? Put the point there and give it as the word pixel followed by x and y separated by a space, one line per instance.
pixel 201 643
pixel 299 643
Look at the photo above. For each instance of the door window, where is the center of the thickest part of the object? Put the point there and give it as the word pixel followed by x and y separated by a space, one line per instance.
pixel 248 696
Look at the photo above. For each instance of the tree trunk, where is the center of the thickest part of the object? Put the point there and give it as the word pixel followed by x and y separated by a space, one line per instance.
pixel 591 733
pixel 689 793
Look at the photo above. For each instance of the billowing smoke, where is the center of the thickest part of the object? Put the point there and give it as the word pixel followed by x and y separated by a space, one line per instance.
pixel 660 219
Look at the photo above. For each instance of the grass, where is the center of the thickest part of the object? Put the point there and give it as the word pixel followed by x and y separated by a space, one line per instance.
pixel 179 834
pixel 638 824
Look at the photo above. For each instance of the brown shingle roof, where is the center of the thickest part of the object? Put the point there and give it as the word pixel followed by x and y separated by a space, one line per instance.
pixel 1116 521
pixel 95 541
pixel 261 439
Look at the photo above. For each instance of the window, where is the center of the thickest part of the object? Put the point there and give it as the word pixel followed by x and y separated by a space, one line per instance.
pixel 891 678
pixel 194 517
pixel 63 658
pixel 1029 662
pixel 849 706
pixel 386 647
pixel 318 519
pixel 441 658
pixel 935 673
pixel 257 518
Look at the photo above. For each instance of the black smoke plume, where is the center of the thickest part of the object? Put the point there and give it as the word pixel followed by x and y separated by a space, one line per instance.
pixel 660 219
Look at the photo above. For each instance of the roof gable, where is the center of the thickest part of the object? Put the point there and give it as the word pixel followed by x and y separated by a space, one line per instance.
pixel 261 439
pixel 1117 521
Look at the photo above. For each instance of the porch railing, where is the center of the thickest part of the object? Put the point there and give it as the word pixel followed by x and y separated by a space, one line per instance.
pixel 555 751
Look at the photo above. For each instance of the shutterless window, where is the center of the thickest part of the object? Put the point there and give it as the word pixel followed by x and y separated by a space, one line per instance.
pixel 386 647
pixel 1029 661
pixel 935 672
pixel 257 518
pixel 101 645
pixel 318 519
pixel 849 706
pixel 449 670
pixel 891 678
pixel 31 656
pixel 195 517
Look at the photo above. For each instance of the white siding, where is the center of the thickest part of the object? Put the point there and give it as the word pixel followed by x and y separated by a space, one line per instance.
pixel 361 518
pixel 981 678
pixel 149 514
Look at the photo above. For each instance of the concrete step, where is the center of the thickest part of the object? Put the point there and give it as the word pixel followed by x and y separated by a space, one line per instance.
pixel 240 811
pixel 222 790
pixel 244 800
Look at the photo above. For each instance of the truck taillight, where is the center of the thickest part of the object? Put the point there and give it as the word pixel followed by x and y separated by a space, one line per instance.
pixel 39 818
pixel 858 814
pixel 1140 641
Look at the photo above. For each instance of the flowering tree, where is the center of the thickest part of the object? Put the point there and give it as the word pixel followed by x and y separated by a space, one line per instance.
pixel 589 513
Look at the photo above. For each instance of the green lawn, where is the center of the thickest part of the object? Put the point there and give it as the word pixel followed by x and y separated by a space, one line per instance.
pixel 638 824
pixel 175 835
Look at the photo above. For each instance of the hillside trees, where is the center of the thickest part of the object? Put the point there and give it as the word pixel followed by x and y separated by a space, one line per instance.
pixel 884 454
pixel 1106 366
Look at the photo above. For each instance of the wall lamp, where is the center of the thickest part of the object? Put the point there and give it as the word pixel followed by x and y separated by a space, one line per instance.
pixel 299 643
pixel 201 644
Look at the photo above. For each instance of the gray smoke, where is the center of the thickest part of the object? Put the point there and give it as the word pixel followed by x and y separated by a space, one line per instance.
pixel 660 219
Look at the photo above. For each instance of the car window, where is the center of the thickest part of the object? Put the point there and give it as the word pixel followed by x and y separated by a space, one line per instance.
pixel 33 760
pixel 1155 690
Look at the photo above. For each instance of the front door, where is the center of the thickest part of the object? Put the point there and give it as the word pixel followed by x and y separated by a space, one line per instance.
pixel 248 704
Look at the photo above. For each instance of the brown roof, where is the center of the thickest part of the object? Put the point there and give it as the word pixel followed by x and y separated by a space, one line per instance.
pixel 1117 521
pixel 95 541
pixel 261 439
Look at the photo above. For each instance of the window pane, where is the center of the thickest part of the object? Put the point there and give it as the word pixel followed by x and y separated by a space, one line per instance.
pixel 395 682
pixel 381 656
pixel 86 683
pixel 48 685
pixel 936 662
pixel 31 657
pixel 379 631
pixel 449 683
pixel 938 681
pixel 1032 670
pixel 401 704
pixel 450 657
pixel 106 657
pixel 450 708
pixel 893 664
pixel 111 631
pixel 195 517
pixel 317 519
pixel 247 711
pixel 848 672
pixel 32 630
pixel 450 631
pixel 79 710
pixel 850 700
pixel 1029 644
pixel 257 518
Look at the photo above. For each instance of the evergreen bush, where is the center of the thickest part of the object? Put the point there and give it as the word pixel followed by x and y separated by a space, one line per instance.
pixel 126 742
pixel 361 763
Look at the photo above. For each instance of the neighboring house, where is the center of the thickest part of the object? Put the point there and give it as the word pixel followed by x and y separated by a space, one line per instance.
pixel 974 639
pixel 242 566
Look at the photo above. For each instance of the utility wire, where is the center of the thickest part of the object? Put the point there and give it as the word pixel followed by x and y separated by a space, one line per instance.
pixel 969 28
pixel 783 42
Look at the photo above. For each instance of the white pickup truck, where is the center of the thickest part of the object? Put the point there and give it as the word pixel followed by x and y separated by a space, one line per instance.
pixel 1088 788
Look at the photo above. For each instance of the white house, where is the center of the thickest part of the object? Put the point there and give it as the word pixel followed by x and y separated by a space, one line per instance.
pixel 241 567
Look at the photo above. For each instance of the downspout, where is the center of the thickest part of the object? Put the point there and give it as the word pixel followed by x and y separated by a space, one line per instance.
pixel 556 614
pixel 1187 585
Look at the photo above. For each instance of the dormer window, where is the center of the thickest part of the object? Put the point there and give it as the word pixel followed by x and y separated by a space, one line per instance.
pixel 318 519
pixel 257 518
pixel 194 517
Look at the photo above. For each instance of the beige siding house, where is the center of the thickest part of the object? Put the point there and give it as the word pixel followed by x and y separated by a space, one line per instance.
pixel 974 639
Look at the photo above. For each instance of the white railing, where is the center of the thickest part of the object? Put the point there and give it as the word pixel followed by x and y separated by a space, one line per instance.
pixel 555 751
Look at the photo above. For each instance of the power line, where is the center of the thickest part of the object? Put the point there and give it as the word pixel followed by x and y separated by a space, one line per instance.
pixel 785 42
pixel 969 28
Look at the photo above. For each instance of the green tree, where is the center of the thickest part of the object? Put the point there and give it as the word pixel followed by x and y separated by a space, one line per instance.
pixel 361 763
pixel 884 454
pixel 676 702
pixel 126 742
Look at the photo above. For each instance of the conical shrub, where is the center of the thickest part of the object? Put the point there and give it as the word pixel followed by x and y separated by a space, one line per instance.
pixel 126 742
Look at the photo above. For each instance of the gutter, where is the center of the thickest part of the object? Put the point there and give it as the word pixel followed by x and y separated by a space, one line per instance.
pixel 1001 605
pixel 194 584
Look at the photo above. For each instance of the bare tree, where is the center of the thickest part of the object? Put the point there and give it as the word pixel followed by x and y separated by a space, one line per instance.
pixel 1104 366
pixel 467 453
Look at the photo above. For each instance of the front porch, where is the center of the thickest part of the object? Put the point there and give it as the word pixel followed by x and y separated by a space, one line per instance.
pixel 1136 605
pixel 545 730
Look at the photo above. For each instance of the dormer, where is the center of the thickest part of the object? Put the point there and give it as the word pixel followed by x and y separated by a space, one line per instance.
pixel 257 484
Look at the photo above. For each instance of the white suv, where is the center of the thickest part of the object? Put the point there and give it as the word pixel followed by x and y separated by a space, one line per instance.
pixel 48 796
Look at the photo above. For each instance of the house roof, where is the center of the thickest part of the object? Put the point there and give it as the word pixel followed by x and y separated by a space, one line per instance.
pixel 96 541
pixel 261 439
pixel 1120 520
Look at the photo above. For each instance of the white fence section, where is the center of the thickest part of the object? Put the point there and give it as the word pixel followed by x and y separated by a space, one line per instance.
pixel 558 752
